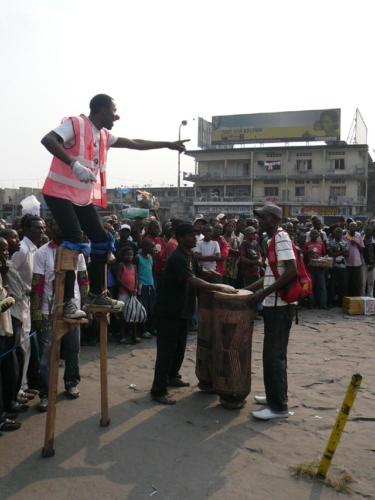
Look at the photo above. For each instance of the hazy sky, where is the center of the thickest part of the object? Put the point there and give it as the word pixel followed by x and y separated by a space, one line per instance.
pixel 165 61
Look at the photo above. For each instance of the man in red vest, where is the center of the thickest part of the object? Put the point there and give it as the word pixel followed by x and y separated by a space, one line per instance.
pixel 76 182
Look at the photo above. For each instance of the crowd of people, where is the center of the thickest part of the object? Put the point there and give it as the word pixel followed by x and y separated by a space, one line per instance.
pixel 230 253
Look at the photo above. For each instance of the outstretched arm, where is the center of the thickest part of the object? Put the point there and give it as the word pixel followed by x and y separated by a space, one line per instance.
pixel 140 144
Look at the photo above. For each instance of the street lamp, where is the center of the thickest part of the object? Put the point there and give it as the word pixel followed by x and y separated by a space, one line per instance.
pixel 182 124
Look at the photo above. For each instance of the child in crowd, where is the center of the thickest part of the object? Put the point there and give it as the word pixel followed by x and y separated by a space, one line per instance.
pixel 146 286
pixel 250 257
pixel 127 283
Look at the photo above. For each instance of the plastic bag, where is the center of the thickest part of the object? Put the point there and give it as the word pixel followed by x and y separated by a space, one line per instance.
pixel 30 205
pixel 133 311
pixel 134 213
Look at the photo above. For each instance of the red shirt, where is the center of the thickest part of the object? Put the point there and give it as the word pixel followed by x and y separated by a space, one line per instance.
pixel 127 279
pixel 314 250
pixel 160 255
pixel 224 252
pixel 171 246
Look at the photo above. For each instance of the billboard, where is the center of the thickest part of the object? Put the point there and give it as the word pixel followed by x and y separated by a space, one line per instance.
pixel 286 126
pixel 360 129
pixel 204 133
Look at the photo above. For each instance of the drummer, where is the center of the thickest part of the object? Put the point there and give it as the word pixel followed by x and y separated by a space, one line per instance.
pixel 175 306
pixel 277 315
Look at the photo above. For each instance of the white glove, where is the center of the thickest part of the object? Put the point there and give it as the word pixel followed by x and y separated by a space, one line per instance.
pixel 84 174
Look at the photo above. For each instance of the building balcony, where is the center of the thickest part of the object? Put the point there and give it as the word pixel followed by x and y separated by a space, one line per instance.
pixel 215 178
pixel 262 176
pixel 221 199
pixel 341 200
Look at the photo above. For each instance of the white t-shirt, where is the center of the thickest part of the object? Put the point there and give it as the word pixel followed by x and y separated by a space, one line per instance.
pixel 44 264
pixel 198 237
pixel 23 261
pixel 208 249
pixel 284 251
pixel 66 132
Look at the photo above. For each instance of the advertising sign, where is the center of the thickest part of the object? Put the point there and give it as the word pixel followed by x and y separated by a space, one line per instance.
pixel 286 126
pixel 204 133
pixel 319 210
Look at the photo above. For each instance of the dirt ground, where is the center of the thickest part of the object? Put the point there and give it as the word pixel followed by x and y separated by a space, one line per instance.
pixel 197 449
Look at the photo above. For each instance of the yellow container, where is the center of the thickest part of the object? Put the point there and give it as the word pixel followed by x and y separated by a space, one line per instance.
pixel 353 305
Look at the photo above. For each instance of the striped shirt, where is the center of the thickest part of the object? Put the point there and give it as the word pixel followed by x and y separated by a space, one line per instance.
pixel 284 251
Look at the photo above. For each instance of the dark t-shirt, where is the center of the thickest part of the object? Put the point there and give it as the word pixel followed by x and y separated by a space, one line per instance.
pixel 176 297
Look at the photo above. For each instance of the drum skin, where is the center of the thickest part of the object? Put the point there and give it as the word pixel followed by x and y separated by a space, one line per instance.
pixel 231 339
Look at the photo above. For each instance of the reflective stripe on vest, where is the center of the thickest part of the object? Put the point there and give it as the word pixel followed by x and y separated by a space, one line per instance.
pixel 70 182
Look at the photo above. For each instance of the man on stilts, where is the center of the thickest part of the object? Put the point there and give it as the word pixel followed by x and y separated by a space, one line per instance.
pixel 76 182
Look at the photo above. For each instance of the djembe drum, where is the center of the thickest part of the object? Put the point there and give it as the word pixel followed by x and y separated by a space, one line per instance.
pixel 231 338
pixel 203 366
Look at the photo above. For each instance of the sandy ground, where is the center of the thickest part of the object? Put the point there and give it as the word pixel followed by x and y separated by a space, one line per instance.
pixel 197 449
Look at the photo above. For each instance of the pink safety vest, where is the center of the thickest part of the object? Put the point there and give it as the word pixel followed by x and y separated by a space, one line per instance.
pixel 61 181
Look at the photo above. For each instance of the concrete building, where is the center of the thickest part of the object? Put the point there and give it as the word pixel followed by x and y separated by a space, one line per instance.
pixel 329 179
pixel 170 204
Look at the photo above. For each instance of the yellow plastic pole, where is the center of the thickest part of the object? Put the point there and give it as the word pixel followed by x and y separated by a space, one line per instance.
pixel 339 426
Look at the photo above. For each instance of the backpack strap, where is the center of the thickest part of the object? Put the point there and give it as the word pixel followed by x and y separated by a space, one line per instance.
pixel 272 256
pixel 272 261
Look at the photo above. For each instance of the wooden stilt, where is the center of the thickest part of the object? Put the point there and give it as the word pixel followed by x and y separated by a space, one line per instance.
pixel 104 420
pixel 66 260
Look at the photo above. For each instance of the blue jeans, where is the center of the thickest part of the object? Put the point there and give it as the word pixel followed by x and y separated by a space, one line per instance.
pixel 69 352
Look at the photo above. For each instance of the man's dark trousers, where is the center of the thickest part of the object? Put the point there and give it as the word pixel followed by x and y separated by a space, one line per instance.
pixel 277 323
pixel 171 345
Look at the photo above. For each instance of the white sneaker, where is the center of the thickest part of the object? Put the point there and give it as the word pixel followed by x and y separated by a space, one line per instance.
pixel 71 311
pixel 72 392
pixel 43 405
pixel 261 400
pixel 268 414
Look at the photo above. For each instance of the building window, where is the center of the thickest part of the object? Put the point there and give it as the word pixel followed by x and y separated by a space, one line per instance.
pixel 270 165
pixel 338 180
pixel 272 182
pixel 300 191
pixel 271 191
pixel 238 191
pixel 316 181
pixel 304 165
pixel 337 191
pixel 361 188
pixel 339 164
pixel 237 169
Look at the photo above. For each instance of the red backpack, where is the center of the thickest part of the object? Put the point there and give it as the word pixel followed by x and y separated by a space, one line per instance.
pixel 300 287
